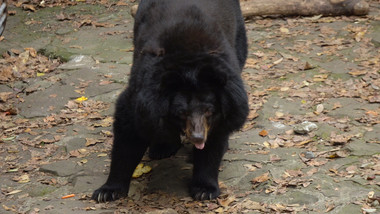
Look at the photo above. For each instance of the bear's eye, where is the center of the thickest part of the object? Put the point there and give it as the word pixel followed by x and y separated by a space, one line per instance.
pixel 209 111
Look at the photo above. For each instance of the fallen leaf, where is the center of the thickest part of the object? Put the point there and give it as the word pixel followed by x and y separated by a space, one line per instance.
pixel 312 171
pixel 22 179
pixel 320 77
pixel 107 122
pixel 278 61
pixel 226 201
pixel 351 169
pixel 14 192
pixel 284 30
pixel 337 105
pixel 81 99
pixel 29 7
pixel 91 141
pixel 329 207
pixel 357 73
pixel 374 99
pixel 308 66
pixel 263 133
pixel 262 178
pixel 303 142
pixel 359 36
pixel 219 210
pixel 274 158
pixel 140 170
pixel 250 167
pixel 105 82
pixel 4 96
pixel 339 139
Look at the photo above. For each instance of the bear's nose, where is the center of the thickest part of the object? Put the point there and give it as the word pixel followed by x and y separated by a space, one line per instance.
pixel 197 137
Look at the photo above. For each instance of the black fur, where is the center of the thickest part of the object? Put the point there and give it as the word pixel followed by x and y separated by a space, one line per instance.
pixel 185 77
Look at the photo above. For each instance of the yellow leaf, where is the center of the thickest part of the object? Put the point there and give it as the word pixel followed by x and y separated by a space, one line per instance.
pixel 140 170
pixel 40 74
pixel 81 99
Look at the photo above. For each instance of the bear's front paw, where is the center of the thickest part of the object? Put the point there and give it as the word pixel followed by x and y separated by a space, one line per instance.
pixel 201 193
pixel 108 193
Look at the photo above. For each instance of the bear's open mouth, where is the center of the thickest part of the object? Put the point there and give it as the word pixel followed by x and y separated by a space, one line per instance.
pixel 199 146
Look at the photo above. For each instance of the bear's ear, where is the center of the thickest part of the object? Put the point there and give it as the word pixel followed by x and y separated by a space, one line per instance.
pixel 212 76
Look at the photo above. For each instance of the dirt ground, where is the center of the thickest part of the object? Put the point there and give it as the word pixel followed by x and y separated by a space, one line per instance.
pixel 310 145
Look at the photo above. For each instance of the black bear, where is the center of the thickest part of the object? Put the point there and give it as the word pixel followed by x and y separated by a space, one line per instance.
pixel 185 84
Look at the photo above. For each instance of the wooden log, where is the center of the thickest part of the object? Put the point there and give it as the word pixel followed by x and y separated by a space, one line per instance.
pixel 299 7
pixel 303 7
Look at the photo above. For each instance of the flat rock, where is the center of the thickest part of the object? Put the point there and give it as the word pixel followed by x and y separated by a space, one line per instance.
pixel 62 168
pixel 79 61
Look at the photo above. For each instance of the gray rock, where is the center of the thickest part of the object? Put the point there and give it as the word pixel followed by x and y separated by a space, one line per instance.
pixel 62 168
pixel 79 61
pixel 305 127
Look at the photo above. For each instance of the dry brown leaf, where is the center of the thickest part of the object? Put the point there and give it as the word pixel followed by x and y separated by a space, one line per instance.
pixel 320 77
pixel 263 133
pixel 357 73
pixel 29 7
pixel 337 105
pixel 250 167
pixel 225 202
pixel 274 158
pixel 374 99
pixel 262 178
pixel 339 139
pixel 312 171
pixel 4 96
pixel 316 162
pixel 308 66
pixel 91 142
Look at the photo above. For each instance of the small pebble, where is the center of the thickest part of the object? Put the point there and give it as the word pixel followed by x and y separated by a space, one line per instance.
pixel 309 155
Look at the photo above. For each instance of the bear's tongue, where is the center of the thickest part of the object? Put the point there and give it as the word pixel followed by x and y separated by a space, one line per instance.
pixel 199 146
